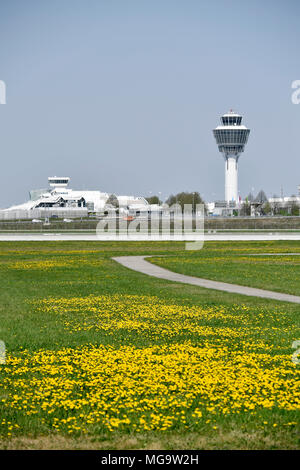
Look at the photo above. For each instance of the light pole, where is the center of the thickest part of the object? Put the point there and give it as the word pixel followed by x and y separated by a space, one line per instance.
pixel 193 206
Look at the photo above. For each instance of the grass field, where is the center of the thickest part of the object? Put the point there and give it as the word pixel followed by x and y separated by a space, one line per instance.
pixel 102 357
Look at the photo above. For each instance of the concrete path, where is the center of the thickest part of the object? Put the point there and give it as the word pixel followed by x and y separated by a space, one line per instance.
pixel 138 263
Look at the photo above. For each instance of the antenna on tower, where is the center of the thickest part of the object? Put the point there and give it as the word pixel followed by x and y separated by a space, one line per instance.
pixel 281 192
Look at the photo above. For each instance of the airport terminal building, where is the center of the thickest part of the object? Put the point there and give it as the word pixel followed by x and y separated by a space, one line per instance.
pixel 60 201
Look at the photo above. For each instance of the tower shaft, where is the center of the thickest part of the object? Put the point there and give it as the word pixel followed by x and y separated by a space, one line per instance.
pixel 231 178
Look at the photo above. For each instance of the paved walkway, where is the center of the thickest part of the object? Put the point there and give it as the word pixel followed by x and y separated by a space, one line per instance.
pixel 138 263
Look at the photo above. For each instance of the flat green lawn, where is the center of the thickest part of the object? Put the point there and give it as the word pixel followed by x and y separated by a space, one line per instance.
pixel 272 265
pixel 98 356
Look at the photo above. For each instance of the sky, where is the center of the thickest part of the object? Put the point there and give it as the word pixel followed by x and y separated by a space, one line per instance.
pixel 122 95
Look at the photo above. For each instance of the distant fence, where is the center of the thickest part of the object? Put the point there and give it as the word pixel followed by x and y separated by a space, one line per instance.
pixel 60 212
pixel 21 220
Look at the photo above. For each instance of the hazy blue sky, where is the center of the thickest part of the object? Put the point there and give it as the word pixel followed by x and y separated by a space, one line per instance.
pixel 122 96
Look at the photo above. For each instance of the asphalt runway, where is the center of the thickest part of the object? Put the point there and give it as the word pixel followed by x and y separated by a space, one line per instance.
pixel 93 237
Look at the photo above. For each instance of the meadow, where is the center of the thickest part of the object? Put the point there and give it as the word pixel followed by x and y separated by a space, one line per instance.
pixel 98 356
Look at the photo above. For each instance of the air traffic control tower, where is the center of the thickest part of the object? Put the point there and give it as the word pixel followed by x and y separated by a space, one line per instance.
pixel 231 138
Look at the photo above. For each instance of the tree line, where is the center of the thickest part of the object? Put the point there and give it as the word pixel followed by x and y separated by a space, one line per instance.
pixel 194 198
pixel 182 198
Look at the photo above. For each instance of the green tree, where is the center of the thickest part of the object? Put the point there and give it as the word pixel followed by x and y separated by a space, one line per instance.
pixel 261 197
pixel 183 198
pixel 113 201
pixel 295 209
pixel 245 209
pixel 266 208
pixel 153 200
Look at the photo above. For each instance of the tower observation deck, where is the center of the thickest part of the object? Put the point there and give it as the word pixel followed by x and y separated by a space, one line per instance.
pixel 231 137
